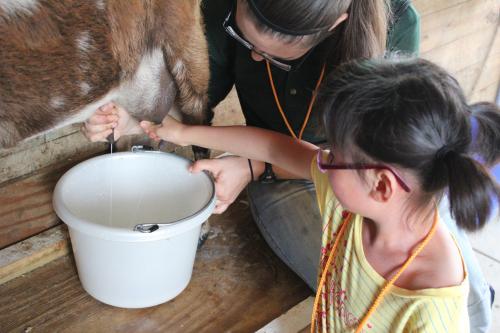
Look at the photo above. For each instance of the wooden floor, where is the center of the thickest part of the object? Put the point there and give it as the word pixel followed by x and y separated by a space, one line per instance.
pixel 238 285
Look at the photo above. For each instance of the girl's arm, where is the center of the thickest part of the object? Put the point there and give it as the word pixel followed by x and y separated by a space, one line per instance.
pixel 278 149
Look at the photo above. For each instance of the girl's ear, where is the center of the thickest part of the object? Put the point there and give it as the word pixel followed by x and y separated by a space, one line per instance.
pixel 383 186
pixel 341 19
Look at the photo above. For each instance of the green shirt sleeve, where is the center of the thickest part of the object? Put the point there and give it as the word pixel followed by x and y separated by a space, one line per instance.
pixel 404 35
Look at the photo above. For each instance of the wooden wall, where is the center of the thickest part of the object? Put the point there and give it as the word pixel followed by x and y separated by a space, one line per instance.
pixel 28 174
pixel 460 35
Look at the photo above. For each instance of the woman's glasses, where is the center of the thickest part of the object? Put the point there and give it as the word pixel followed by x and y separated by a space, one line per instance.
pixel 328 164
pixel 231 32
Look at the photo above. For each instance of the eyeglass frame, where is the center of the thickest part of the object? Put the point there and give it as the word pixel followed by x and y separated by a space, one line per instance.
pixel 323 167
pixel 231 32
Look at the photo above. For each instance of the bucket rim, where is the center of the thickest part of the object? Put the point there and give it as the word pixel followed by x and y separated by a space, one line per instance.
pixel 166 230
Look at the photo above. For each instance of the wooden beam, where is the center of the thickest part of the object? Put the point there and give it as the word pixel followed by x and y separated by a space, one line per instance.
pixel 33 252
pixel 26 204
pixel 460 54
pixel 462 37
pixel 484 75
pixel 41 139
pixel 21 163
pixel 426 7
pixel 471 17
pixel 294 320
pixel 490 73
pixel 486 94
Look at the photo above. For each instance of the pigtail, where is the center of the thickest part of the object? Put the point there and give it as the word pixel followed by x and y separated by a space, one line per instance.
pixel 471 190
pixel 485 129
pixel 413 115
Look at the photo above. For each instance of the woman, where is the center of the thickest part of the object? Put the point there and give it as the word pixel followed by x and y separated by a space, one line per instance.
pixel 276 53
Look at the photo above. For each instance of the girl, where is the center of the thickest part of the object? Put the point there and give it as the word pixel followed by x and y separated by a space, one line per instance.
pixel 400 136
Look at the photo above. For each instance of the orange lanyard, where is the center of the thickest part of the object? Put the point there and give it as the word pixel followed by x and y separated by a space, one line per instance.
pixel 387 286
pixel 311 103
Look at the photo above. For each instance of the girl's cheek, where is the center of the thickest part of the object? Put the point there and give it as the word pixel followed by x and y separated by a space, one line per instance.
pixel 344 189
pixel 333 179
pixel 336 185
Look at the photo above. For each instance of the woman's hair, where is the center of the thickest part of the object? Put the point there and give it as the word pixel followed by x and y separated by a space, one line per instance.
pixel 411 114
pixel 362 35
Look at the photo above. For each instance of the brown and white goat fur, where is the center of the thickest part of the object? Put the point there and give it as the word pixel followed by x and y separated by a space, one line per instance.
pixel 61 60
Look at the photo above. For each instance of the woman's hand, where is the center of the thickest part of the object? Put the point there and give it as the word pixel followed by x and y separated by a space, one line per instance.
pixel 108 117
pixel 231 174
pixel 169 130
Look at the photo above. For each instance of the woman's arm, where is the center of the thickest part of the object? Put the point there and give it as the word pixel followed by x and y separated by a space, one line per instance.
pixel 292 155
pixel 108 118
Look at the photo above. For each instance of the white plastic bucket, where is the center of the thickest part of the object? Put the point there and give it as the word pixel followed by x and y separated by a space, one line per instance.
pixel 103 198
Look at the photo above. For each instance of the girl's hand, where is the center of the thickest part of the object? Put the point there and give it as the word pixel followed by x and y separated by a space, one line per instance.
pixel 231 176
pixel 169 130
pixel 108 117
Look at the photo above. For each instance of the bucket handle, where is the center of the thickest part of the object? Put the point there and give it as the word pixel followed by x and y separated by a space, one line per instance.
pixel 147 227
pixel 152 227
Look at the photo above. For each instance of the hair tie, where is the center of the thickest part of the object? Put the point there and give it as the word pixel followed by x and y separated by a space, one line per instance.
pixel 474 129
pixel 442 152
pixel 474 132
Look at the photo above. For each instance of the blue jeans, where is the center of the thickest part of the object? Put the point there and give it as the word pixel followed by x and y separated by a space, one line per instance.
pixel 288 217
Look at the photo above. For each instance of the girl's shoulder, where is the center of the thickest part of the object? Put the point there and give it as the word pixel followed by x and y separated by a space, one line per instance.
pixel 440 264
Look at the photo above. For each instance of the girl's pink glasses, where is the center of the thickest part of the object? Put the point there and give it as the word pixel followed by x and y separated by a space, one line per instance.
pixel 323 166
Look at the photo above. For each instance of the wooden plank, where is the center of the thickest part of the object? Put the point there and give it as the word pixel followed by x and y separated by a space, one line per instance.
pixel 461 53
pixel 41 139
pixel 306 329
pixel 238 285
pixel 490 71
pixel 481 74
pixel 294 320
pixel 33 252
pixel 471 17
pixel 36 157
pixel 488 75
pixel 462 37
pixel 426 7
pixel 26 204
pixel 486 94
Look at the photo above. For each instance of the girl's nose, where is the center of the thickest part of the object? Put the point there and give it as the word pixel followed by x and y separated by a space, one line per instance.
pixel 256 56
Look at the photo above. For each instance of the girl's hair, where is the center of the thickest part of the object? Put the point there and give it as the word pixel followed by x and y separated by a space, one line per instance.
pixel 413 115
pixel 362 35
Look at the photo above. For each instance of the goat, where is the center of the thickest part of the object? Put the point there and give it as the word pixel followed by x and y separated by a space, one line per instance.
pixel 61 60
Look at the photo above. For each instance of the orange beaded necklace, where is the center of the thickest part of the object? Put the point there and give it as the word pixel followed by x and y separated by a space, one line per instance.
pixel 384 289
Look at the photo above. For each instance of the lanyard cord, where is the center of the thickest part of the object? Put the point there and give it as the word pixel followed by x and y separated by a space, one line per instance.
pixel 311 103
pixel 387 286
pixel 340 233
